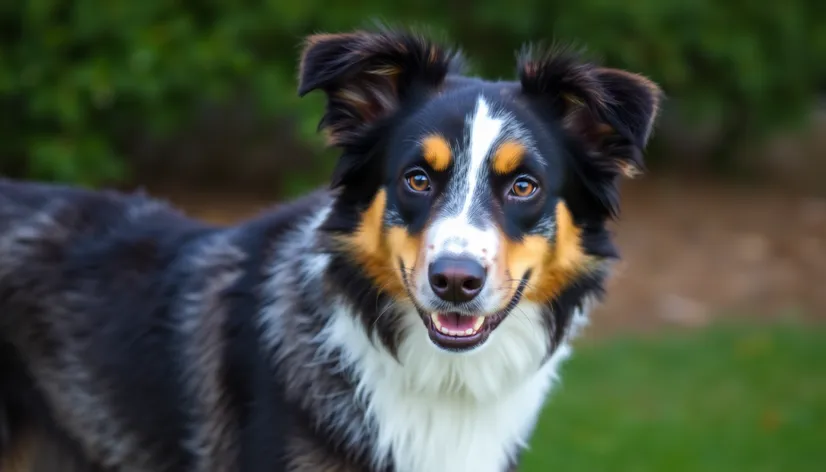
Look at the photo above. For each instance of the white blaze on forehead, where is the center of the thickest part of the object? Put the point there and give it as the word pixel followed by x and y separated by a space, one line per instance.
pixel 484 129
pixel 453 231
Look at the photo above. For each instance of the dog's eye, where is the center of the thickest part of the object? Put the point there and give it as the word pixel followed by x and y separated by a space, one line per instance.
pixel 418 181
pixel 523 187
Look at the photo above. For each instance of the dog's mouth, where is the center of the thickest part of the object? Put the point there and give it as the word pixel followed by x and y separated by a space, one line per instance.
pixel 458 332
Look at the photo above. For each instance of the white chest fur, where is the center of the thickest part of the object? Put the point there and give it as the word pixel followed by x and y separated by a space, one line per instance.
pixel 442 412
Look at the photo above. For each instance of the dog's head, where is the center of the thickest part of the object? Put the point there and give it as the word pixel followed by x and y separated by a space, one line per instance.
pixel 466 198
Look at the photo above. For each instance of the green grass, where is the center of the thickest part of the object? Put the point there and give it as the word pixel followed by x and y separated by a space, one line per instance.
pixel 724 399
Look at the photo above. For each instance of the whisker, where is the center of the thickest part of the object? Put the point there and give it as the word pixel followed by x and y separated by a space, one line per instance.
pixel 532 323
pixel 386 309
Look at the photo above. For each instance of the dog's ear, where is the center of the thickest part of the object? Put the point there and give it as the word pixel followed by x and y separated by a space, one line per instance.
pixel 611 112
pixel 367 75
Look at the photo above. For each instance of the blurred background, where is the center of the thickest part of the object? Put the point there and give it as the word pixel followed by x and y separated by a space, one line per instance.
pixel 706 355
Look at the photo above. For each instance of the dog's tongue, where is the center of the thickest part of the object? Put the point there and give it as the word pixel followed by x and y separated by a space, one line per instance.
pixel 454 322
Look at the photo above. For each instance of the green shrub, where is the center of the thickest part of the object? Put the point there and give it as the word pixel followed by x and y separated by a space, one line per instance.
pixel 78 79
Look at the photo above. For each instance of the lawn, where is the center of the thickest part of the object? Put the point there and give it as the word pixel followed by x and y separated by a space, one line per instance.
pixel 729 398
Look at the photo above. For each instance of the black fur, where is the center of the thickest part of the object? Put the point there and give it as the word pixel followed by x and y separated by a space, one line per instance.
pixel 133 338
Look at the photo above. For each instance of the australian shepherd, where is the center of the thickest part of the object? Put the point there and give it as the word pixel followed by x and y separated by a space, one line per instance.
pixel 410 318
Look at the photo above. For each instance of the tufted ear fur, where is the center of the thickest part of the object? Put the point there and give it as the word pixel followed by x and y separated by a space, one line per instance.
pixel 367 75
pixel 610 111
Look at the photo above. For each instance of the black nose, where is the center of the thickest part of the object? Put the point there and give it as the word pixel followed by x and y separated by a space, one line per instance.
pixel 456 279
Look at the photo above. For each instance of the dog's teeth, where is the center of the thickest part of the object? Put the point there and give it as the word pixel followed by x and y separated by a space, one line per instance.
pixel 478 322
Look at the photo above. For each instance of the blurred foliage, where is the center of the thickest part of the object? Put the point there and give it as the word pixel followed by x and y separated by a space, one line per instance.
pixel 78 78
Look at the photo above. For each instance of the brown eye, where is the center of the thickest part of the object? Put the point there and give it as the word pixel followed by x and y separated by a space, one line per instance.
pixel 418 181
pixel 523 187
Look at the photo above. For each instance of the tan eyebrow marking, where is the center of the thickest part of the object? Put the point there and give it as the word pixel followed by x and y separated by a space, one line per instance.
pixel 507 157
pixel 437 152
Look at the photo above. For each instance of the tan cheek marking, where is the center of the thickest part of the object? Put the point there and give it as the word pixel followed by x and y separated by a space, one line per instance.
pixel 369 234
pixel 404 246
pixel 554 266
pixel 507 157
pixel 378 251
pixel 568 248
pixel 368 247
pixel 519 257
pixel 436 152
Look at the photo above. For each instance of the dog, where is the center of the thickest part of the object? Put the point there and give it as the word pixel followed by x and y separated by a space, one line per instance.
pixel 412 317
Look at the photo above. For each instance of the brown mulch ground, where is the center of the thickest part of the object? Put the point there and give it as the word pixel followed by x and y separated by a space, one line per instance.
pixel 692 252
pixel 696 251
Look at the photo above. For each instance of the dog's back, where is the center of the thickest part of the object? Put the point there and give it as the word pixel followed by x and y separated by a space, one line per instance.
pixel 86 288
